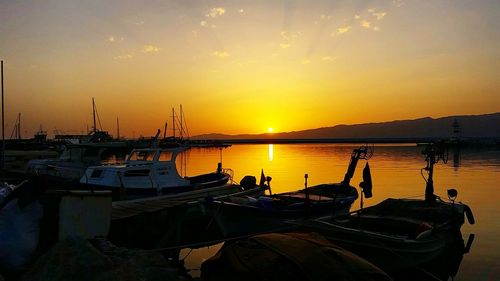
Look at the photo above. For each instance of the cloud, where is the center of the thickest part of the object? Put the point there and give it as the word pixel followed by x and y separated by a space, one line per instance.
pixel 113 39
pixel 380 15
pixel 241 11
pixel 215 12
pixel 124 57
pixel 220 54
pixel 397 3
pixel 290 35
pixel 203 23
pixel 376 28
pixel 325 17
pixel 284 45
pixel 306 61
pixel 371 10
pixel 328 58
pixel 150 49
pixel 344 29
pixel 357 17
pixel 366 24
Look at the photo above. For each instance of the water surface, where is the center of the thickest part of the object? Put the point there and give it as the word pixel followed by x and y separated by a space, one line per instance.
pixel 396 173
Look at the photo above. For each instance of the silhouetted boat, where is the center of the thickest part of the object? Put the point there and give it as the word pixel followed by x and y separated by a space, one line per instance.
pixel 152 172
pixel 288 256
pixel 250 215
pixel 67 170
pixel 398 233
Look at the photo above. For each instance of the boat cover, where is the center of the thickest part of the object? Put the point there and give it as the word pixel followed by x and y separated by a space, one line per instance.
pixel 289 256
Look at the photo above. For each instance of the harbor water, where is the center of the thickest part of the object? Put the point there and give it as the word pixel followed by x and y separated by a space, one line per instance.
pixel 396 173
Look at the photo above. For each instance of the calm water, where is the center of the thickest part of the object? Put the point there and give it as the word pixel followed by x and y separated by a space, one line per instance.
pixel 395 172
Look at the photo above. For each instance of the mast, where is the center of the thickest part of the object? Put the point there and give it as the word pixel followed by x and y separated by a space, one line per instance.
pixel 173 122
pixel 93 114
pixel 2 158
pixel 19 126
pixel 181 121
pixel 117 128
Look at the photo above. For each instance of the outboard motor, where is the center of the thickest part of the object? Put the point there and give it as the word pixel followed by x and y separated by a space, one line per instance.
pixel 248 182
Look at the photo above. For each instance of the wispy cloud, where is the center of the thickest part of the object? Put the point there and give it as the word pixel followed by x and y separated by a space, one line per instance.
pixel 380 15
pixel 215 12
pixel 284 45
pixel 325 17
pixel 366 24
pixel 357 17
pixel 220 54
pixel 124 57
pixel 343 29
pixel 203 23
pixel 328 58
pixel 290 35
pixel 114 39
pixel 398 3
pixel 241 11
pixel 376 28
pixel 150 49
pixel 306 61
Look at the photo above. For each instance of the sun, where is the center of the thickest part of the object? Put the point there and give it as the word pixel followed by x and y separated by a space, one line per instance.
pixel 270 130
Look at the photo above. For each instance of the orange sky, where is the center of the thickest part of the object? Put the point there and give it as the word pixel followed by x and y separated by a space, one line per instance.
pixel 246 66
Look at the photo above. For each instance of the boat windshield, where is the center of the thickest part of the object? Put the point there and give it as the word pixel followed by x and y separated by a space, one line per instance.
pixel 142 156
pixel 165 156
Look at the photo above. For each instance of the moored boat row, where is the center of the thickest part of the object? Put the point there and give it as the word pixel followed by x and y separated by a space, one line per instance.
pixel 394 234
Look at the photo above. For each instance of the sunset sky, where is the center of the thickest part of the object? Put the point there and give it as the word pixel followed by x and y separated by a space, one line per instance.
pixel 246 66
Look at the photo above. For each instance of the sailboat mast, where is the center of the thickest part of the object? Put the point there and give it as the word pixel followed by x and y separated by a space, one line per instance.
pixel 182 130
pixel 93 114
pixel 19 126
pixel 173 122
pixel 3 123
pixel 117 128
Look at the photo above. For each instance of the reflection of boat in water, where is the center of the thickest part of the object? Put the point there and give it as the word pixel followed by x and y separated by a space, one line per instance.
pixel 152 171
pixel 443 267
pixel 398 233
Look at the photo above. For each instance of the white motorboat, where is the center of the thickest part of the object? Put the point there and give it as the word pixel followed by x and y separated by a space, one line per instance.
pixel 151 171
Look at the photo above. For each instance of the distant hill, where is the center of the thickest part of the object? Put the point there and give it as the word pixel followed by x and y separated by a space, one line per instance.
pixel 471 126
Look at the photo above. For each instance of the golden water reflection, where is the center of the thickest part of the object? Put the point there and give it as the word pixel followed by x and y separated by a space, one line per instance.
pixel 396 173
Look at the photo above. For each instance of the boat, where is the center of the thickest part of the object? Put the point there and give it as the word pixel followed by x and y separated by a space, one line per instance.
pixel 398 233
pixel 151 172
pixel 287 256
pixel 269 213
pixel 66 170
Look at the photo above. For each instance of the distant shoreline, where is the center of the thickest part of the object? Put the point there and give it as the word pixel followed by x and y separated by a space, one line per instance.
pixel 468 141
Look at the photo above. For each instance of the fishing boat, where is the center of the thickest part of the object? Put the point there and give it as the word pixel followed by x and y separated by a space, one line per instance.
pixel 398 233
pixel 152 172
pixel 269 213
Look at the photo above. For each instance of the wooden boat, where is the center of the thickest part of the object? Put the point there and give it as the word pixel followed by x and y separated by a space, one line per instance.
pixel 398 233
pixel 151 172
pixel 288 256
pixel 249 215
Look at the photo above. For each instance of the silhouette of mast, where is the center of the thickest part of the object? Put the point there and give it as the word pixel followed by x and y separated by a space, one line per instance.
pixel 2 158
pixel 93 114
